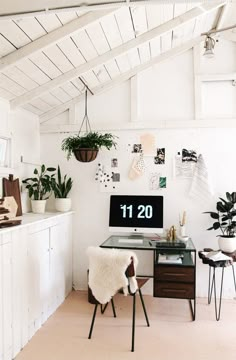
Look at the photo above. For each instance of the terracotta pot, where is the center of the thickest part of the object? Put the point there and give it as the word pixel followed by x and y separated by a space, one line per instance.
pixel 227 244
pixel 85 154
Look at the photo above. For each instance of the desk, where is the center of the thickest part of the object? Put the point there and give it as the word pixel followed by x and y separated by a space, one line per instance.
pixel 170 280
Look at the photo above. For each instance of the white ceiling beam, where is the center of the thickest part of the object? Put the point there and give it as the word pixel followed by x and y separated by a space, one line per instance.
pixel 51 38
pixel 127 75
pixel 28 8
pixel 134 43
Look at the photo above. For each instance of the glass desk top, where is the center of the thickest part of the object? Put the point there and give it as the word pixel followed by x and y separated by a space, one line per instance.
pixel 146 243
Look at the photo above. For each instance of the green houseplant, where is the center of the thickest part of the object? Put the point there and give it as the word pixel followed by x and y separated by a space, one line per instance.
pixel 61 188
pixel 224 221
pixel 85 148
pixel 40 187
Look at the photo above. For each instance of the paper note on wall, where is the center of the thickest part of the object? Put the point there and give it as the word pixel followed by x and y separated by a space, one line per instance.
pixel 148 144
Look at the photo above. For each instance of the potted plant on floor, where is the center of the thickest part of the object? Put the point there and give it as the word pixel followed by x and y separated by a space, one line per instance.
pixel 61 189
pixel 40 187
pixel 86 147
pixel 224 221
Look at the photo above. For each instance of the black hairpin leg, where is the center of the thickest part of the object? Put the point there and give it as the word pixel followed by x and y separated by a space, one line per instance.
pixel 210 286
pixel 221 288
pixel 133 322
pixel 234 277
pixel 92 323
pixel 144 308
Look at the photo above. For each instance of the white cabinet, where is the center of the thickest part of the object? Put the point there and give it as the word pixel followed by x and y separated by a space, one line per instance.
pixel 35 278
pixel 6 295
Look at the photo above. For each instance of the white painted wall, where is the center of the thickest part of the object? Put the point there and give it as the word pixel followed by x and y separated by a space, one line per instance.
pixel 164 92
pixel 22 128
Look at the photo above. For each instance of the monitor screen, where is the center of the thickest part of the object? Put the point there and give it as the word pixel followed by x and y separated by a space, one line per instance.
pixel 136 213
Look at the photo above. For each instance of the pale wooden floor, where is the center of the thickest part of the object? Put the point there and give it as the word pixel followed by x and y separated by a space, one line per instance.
pixel 172 334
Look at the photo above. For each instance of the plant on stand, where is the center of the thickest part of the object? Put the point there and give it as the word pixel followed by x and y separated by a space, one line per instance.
pixel 224 221
pixel 40 187
pixel 61 188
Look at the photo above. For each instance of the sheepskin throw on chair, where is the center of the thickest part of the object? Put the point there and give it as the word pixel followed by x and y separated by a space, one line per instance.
pixel 107 269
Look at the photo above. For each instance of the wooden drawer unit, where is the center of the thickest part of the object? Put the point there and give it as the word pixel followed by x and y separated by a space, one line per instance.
pixel 174 281
pixel 174 290
pixel 174 273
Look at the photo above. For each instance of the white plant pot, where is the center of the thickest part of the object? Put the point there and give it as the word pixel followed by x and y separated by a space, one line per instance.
pixel 227 244
pixel 63 205
pixel 38 206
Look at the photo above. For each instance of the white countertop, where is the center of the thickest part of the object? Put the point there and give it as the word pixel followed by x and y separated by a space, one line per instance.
pixel 31 218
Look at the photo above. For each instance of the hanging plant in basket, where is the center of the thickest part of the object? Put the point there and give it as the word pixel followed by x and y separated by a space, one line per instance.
pixel 85 147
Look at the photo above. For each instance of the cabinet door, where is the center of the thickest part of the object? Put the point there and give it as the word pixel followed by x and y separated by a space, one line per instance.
pixel 19 289
pixel 56 267
pixel 7 300
pixel 1 303
pixel 38 280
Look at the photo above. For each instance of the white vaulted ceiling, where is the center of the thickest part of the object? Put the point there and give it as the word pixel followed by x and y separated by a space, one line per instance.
pixel 47 60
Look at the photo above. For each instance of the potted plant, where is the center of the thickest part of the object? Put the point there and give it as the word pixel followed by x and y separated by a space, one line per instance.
pixel 224 221
pixel 40 187
pixel 85 148
pixel 61 189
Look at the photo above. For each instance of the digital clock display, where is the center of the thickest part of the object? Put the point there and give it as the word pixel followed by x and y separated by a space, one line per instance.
pixel 137 211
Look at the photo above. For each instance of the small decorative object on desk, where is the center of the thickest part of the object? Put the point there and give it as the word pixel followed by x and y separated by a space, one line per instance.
pixel 182 223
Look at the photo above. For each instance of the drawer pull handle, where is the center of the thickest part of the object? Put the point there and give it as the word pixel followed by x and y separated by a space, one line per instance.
pixel 175 290
pixel 172 274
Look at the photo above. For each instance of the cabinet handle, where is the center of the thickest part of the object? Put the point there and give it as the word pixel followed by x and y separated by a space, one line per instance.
pixel 174 290
pixel 171 274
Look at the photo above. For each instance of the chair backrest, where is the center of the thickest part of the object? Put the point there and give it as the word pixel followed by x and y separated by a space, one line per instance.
pixel 109 270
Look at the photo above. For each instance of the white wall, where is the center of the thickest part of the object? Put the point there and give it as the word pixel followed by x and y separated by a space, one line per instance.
pixel 158 100
pixel 22 128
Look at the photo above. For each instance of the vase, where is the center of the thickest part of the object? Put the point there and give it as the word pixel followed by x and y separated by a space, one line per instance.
pixel 38 206
pixel 62 204
pixel 182 230
pixel 227 244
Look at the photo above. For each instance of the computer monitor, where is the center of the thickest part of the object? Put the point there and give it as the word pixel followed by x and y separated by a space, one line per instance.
pixel 136 213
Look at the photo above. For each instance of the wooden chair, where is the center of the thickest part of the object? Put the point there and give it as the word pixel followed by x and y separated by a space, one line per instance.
pixel 130 273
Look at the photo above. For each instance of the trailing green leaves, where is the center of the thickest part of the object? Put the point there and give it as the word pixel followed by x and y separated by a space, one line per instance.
pixel 40 186
pixel 91 140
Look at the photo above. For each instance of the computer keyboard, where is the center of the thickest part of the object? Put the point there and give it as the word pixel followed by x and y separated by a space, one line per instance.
pixel 171 244
pixel 130 241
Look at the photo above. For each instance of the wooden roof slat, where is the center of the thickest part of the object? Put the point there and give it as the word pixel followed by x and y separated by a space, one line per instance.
pixel 112 68
pixel 111 30
pixel 49 22
pixel 98 39
pixel 19 77
pixel 61 95
pixel 46 65
pixel 58 58
pixel 5 46
pixel 43 42
pixel 31 27
pixel 134 43
pixel 72 52
pixel 71 89
pixel 125 76
pixel 30 69
pixel 14 34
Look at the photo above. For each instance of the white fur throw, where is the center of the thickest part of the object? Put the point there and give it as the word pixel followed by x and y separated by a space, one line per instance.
pixel 107 272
